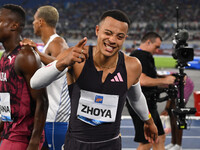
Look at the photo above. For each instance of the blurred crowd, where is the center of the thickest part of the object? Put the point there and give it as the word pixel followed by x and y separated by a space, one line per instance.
pixel 79 17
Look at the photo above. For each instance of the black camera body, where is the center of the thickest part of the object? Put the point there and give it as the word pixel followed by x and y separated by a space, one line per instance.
pixel 180 50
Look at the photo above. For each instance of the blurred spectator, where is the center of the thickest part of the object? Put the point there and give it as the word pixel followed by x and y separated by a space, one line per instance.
pixel 78 20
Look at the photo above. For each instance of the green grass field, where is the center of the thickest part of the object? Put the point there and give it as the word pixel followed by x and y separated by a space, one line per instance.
pixel 164 62
pixel 160 61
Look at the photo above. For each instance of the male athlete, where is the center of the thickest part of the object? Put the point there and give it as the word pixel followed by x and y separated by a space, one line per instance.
pixel 23 109
pixel 44 24
pixel 99 78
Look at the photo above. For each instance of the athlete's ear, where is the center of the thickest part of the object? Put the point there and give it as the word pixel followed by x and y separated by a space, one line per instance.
pixel 14 26
pixel 41 22
pixel 97 30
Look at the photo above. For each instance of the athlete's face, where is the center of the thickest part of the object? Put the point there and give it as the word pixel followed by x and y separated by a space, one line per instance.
pixel 36 24
pixel 6 23
pixel 111 35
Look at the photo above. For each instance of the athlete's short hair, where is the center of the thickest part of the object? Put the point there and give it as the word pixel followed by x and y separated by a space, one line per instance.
pixel 116 14
pixel 18 12
pixel 152 36
pixel 49 14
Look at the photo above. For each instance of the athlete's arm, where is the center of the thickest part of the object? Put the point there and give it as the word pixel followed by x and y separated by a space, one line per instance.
pixel 46 75
pixel 58 67
pixel 26 64
pixel 44 57
pixel 134 70
pixel 57 46
pixel 53 50
pixel 138 102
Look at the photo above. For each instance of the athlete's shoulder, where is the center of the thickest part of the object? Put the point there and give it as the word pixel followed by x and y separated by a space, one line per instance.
pixel 26 51
pixel 56 46
pixel 27 59
pixel 134 69
pixel 130 60
pixel 60 40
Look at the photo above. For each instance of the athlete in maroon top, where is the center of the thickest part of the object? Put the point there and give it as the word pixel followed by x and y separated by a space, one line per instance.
pixel 23 110
pixel 21 125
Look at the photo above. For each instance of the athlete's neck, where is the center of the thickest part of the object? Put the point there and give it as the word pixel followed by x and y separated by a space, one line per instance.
pixel 102 62
pixel 46 34
pixel 11 44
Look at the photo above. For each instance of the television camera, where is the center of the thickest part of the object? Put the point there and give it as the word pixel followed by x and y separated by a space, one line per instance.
pixel 183 54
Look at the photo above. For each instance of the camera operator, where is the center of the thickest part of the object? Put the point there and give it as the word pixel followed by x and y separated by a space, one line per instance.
pixel 149 81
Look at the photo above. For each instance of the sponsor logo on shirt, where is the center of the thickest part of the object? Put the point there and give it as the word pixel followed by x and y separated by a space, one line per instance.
pixel 11 58
pixel 98 99
pixel 117 78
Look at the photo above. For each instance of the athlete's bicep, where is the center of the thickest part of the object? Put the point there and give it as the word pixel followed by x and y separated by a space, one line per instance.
pixel 26 64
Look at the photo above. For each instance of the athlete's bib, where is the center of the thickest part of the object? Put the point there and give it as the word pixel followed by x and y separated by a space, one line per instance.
pixel 5 107
pixel 96 108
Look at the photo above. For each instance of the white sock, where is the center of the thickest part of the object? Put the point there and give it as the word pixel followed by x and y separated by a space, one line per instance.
pixel 167 147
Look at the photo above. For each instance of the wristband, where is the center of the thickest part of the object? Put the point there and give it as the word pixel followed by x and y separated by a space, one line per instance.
pixel 149 115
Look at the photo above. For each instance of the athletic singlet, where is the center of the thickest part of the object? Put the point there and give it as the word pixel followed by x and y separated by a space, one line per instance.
pixel 54 94
pixel 90 80
pixel 22 107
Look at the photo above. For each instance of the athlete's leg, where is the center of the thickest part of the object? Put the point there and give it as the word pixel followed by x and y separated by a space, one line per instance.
pixel 161 143
pixel 146 146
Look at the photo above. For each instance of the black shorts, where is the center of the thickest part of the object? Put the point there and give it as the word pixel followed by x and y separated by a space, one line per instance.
pixel 73 144
pixel 139 124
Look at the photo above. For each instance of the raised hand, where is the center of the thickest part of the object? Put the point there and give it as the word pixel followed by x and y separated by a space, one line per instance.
pixel 74 54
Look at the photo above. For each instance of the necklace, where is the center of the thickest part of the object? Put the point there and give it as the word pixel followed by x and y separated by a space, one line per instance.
pixel 106 67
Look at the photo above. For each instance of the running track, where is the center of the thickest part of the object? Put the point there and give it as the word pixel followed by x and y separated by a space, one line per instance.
pixel 190 141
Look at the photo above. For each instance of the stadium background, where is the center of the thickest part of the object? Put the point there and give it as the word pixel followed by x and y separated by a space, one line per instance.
pixel 78 19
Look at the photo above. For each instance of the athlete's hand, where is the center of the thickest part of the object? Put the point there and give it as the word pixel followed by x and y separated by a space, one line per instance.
pixel 29 42
pixel 150 131
pixel 79 52
pixel 72 55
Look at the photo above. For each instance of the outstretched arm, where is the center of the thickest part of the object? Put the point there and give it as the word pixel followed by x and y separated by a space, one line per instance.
pixel 57 68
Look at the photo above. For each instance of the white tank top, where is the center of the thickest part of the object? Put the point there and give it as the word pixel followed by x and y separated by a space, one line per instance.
pixel 54 92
